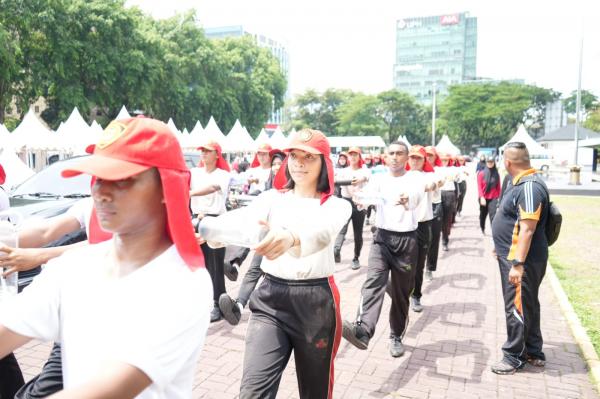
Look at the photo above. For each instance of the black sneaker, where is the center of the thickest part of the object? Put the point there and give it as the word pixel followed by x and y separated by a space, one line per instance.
pixel 215 314
pixel 355 264
pixel 416 304
pixel 355 334
pixel 231 271
pixel 396 347
pixel 230 309
pixel 337 257
pixel 502 367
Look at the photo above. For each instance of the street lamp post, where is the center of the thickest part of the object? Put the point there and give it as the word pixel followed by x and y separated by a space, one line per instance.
pixel 433 116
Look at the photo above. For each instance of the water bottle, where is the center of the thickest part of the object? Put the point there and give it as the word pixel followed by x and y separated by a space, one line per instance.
pixel 8 236
pixel 228 229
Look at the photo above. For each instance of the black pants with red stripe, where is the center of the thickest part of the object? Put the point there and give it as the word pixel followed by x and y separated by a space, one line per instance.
pixel 395 252
pixel 522 306
pixel 302 316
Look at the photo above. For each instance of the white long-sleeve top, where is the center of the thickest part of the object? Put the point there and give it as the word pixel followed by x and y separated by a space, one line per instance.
pixel 394 217
pixel 314 224
pixel 449 174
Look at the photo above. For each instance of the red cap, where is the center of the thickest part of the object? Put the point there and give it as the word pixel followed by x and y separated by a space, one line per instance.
pixel 361 162
pixel 419 151
pixel 212 145
pixel 261 148
pixel 432 151
pixel 130 146
pixel 2 175
pixel 314 142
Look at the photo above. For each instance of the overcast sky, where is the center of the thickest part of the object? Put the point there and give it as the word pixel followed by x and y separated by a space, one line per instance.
pixel 350 44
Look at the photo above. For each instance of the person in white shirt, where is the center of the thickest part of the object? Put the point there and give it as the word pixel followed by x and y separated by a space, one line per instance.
pixel 208 191
pixel 296 307
pixel 449 195
pixel 418 163
pixel 462 183
pixel 358 175
pixel 436 223
pixel 132 321
pixel 394 250
pixel 260 170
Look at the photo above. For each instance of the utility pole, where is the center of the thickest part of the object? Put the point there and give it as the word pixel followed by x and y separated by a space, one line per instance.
pixel 578 103
pixel 433 116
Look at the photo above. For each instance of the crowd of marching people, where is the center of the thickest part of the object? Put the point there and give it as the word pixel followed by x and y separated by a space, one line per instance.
pixel 128 309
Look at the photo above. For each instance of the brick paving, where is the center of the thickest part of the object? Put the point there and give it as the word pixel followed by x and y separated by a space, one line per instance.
pixel 449 346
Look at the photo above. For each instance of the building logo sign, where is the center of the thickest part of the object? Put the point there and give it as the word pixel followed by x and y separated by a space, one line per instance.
pixel 403 24
pixel 452 19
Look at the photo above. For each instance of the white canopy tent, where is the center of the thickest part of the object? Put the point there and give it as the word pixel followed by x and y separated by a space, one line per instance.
pixel 212 132
pixel 172 126
pixel 4 134
pixel 194 140
pixel 96 128
pixel 238 139
pixel 356 141
pixel 75 134
pixel 123 114
pixel 403 139
pixel 534 148
pixel 262 138
pixel 446 146
pixel 278 140
pixel 16 170
pixel 31 134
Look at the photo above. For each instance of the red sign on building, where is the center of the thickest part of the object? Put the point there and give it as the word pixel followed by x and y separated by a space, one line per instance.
pixel 451 19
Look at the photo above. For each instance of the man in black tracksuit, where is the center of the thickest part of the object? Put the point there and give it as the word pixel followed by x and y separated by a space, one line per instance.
pixel 394 250
pixel 522 250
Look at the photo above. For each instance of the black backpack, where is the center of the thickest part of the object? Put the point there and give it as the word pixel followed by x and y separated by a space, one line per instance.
pixel 554 219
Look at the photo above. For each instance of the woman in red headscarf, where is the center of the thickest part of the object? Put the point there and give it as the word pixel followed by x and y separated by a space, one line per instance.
pixel 4 203
pixel 449 195
pixel 436 224
pixel 208 191
pixel 296 307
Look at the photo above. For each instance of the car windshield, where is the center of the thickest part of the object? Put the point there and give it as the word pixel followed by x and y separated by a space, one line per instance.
pixel 49 183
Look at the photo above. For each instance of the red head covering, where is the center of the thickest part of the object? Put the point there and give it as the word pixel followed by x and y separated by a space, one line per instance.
pixel 314 142
pixel 212 145
pixel 356 150
pixel 419 151
pixel 444 156
pixel 261 148
pixel 130 146
pixel 2 175
pixel 432 151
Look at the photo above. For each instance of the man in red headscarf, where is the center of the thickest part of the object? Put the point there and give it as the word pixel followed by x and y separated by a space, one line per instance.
pixel 209 190
pixel 115 317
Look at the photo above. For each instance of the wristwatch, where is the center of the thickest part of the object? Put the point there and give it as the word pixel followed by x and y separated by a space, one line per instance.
pixel 516 262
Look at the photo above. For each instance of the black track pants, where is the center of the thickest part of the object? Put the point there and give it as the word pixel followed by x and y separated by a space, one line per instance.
pixel 395 252
pixel 489 209
pixel 250 280
pixel 423 243
pixel 11 378
pixel 235 254
pixel 302 316
pixel 449 205
pixel 214 258
pixel 358 221
pixel 522 307
pixel 48 382
pixel 436 230
pixel 462 187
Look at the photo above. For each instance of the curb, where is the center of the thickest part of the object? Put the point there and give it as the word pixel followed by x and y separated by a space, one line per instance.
pixel 581 338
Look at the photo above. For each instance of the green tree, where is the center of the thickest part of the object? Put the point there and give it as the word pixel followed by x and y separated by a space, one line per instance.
pixel 489 114
pixel 589 102
pixel 402 115
pixel 593 121
pixel 319 111
pixel 359 116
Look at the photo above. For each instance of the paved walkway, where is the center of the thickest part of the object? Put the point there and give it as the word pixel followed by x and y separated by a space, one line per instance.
pixel 450 345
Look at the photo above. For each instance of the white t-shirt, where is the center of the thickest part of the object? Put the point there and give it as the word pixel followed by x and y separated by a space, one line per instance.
pixel 448 174
pixel 154 318
pixel 394 217
pixel 315 225
pixel 214 203
pixel 349 174
pixel 424 210
pixel 82 211
pixel 261 174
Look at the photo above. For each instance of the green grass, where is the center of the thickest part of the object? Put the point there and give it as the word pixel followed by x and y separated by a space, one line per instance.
pixel 575 259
